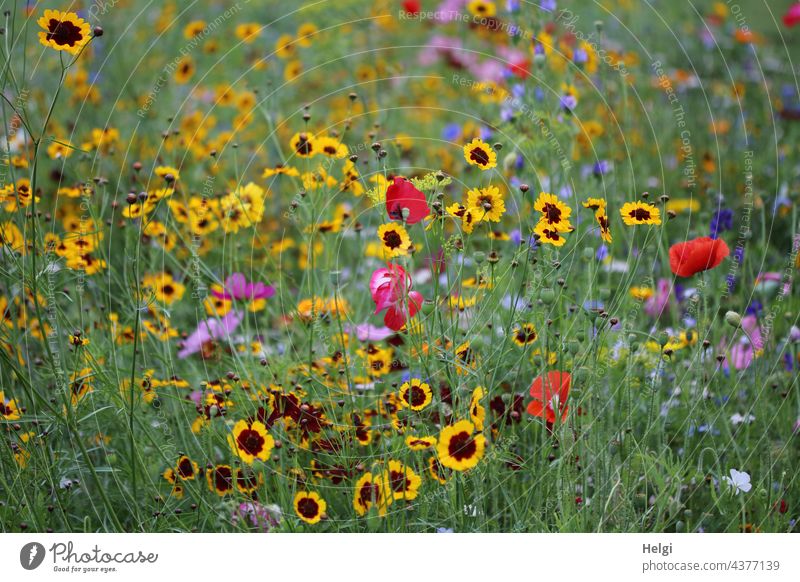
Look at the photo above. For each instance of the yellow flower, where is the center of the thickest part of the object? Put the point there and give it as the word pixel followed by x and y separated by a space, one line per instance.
pixel 595 203
pixel 309 506
pixel 185 469
pixel 549 234
pixel 220 479
pixel 303 144
pixel 634 213
pixel 285 46
pixel 524 334
pixel 294 69
pixel 184 70
pixel 248 32
pixel 8 408
pixel 59 150
pixel 437 471
pixel 400 482
pixel 602 221
pixel 486 203
pixel 394 238
pixel 305 33
pixel 420 443
pixel 681 204
pixel 251 441
pixel 368 493
pixel 641 293
pixel 555 214
pixel 415 394
pixel 11 237
pixel 459 448
pixel 164 287
pixel 479 153
pixel 194 28
pixel 63 31
pixel 482 8
pixel 332 147
pixel 477 412
pixel 280 169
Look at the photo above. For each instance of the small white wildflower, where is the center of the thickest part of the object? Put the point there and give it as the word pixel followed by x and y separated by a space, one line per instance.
pixel 739 481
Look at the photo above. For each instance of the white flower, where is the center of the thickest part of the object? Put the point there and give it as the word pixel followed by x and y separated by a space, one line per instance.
pixel 739 480
pixel 738 419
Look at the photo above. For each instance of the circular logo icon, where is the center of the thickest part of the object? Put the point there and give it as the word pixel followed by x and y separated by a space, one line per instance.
pixel 31 555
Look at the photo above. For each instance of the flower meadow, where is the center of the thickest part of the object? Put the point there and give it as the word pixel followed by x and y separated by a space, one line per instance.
pixel 432 265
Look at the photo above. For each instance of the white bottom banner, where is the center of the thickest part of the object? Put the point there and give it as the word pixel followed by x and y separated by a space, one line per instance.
pixel 389 557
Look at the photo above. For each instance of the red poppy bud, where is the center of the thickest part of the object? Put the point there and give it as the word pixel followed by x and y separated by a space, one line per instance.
pixel 693 256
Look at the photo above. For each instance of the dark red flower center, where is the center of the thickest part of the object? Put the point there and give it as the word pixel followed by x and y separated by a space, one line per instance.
pixel 250 442
pixel 416 396
pixel 462 446
pixel 246 481
pixel 185 468
pixel 479 156
pixel 308 507
pixel 640 214
pixel 398 481
pixel 63 33
pixel 552 213
pixel 392 239
pixel 526 335
pixel 368 492
pixel 222 478
pixel 552 234
pixel 303 146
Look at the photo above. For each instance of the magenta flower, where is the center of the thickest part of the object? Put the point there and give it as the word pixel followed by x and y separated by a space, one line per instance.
pixel 210 329
pixel 792 16
pixel 237 287
pixel 743 352
pixel 262 517
pixel 366 332
pixel 658 304
pixel 391 290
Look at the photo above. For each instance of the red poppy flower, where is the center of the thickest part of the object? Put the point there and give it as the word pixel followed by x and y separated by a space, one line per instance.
pixel 550 393
pixel 792 16
pixel 693 256
pixel 412 6
pixel 521 68
pixel 402 195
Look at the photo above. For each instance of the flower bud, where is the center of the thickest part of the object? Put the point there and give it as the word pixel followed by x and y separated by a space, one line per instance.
pixel 733 319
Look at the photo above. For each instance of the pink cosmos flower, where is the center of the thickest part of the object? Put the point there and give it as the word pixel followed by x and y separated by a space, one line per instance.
pixel 211 329
pixel 391 290
pixel 237 287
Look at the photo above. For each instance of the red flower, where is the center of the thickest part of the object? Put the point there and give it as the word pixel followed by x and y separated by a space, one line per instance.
pixel 792 16
pixel 403 196
pixel 391 290
pixel 693 256
pixel 412 6
pixel 550 393
pixel 521 69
